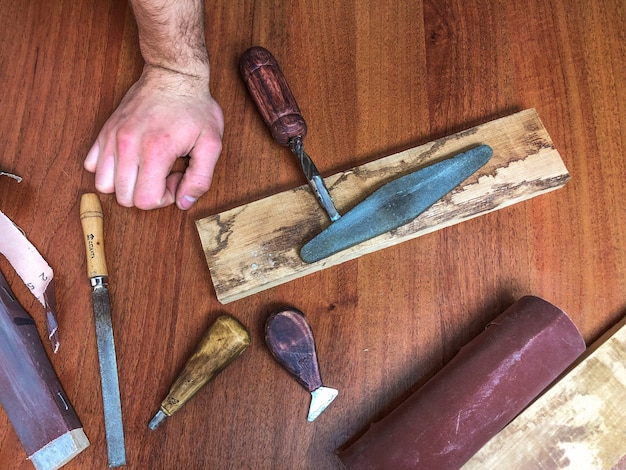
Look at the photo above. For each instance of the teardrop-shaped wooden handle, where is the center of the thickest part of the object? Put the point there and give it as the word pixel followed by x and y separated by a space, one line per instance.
pixel 271 93
pixel 223 342
pixel 289 337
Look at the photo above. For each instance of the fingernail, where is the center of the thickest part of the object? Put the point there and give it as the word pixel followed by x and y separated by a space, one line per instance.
pixel 92 158
pixel 186 202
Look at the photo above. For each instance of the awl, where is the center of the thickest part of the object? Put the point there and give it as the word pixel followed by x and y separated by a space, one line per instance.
pixel 92 221
pixel 394 204
pixel 223 342
pixel 289 337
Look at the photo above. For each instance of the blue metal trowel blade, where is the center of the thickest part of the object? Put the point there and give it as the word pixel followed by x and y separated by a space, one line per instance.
pixel 395 204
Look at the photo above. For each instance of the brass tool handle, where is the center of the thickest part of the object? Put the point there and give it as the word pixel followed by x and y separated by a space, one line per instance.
pixel 224 342
pixel 272 95
pixel 92 220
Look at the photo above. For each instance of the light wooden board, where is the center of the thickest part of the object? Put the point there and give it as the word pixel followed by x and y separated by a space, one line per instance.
pixel 255 246
pixel 579 423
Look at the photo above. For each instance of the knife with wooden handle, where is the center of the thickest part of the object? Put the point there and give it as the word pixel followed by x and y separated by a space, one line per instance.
pixel 223 342
pixel 92 220
pixel 289 338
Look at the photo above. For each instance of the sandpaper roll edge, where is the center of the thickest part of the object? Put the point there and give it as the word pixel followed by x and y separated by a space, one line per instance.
pixel 491 380
pixel 30 392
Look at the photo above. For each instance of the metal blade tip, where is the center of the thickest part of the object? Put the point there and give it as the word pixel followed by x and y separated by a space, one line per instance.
pixel 320 399
pixel 157 420
pixel 117 460
pixel 11 175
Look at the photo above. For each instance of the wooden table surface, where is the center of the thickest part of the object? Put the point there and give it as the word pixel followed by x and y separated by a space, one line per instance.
pixel 370 80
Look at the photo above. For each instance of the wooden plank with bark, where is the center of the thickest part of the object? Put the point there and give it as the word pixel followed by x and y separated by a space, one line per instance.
pixel 256 246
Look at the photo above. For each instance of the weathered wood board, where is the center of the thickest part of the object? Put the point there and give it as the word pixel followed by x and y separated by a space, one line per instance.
pixel 256 246
pixel 578 423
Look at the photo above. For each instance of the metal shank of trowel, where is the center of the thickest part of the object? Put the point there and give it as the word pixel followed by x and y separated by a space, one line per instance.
pixel 278 107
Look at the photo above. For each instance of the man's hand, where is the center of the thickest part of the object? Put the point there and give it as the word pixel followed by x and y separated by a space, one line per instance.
pixel 165 115
pixel 168 113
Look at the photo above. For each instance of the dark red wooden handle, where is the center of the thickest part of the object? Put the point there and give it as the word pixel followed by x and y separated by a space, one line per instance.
pixel 289 337
pixel 271 93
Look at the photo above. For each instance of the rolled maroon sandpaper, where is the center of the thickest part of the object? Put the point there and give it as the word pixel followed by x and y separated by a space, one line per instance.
pixel 475 395
pixel 30 392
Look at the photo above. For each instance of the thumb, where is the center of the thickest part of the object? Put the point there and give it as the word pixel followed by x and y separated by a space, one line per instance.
pixel 197 178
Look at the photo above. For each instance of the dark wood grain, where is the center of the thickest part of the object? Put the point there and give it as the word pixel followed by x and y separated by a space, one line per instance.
pixel 372 78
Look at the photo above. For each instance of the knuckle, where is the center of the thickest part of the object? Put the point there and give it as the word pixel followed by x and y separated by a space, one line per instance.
pixel 214 145
pixel 126 141
pixel 144 202
pixel 148 201
pixel 123 201
pixel 152 146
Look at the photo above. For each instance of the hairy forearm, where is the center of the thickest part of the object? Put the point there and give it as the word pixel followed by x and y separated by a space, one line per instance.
pixel 171 35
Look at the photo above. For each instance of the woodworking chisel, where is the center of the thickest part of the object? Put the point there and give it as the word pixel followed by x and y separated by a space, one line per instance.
pixel 92 221
pixel 277 105
pixel 289 337
pixel 394 204
pixel 224 342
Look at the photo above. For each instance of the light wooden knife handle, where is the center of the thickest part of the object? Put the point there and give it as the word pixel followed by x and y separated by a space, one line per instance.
pixel 92 218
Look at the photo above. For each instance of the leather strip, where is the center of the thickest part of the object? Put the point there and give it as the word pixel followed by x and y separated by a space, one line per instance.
pixel 32 268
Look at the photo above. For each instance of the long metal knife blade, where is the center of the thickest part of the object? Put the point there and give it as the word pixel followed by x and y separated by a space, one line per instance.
pixel 92 221
pixel 395 204
pixel 113 425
